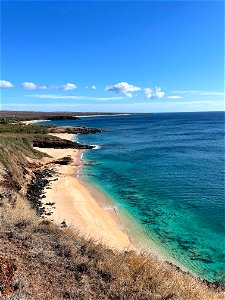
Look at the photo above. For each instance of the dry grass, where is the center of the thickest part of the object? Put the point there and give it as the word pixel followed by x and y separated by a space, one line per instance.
pixel 54 263
pixel 14 148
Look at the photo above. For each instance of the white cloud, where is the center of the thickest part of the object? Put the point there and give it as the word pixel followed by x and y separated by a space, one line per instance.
pixel 159 93
pixel 149 93
pixel 124 88
pixel 174 97
pixel 68 87
pixel 53 96
pixel 32 86
pixel 6 84
pixel 152 94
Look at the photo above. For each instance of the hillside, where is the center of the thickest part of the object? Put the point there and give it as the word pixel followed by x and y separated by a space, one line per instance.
pixel 39 260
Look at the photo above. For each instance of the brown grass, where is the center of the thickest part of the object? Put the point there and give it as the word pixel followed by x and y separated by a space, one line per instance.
pixel 54 263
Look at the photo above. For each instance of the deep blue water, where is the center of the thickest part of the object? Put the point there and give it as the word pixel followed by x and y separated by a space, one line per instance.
pixel 167 172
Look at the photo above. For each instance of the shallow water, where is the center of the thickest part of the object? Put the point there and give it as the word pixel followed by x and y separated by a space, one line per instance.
pixel 167 172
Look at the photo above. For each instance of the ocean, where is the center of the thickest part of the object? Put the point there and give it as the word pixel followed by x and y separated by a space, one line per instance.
pixel 166 173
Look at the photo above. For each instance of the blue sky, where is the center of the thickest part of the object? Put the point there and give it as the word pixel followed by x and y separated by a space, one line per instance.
pixel 119 56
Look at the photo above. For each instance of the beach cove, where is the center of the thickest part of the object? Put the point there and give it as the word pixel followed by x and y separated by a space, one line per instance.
pixel 71 200
pixel 77 206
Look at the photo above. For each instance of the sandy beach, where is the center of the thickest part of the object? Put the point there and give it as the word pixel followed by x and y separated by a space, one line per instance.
pixel 77 206
pixel 32 121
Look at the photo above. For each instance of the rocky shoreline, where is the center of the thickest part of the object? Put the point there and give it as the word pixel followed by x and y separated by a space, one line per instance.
pixel 35 190
pixel 42 176
pixel 59 144
pixel 75 129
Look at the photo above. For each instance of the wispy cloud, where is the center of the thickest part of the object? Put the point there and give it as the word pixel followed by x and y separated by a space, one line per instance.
pixel 149 106
pixel 33 86
pixel 174 97
pixel 6 84
pixel 212 93
pixel 199 93
pixel 73 97
pixel 123 88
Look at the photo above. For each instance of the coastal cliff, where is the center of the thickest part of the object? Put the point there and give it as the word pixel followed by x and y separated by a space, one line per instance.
pixel 40 259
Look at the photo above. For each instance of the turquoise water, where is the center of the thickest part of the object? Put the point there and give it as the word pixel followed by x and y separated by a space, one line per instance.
pixel 167 172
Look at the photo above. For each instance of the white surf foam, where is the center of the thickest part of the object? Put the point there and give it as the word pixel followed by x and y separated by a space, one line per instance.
pixel 96 147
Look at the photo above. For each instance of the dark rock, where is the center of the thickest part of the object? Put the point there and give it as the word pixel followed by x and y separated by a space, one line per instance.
pixel 214 285
pixel 76 130
pixel 63 224
pixel 63 161
pixel 36 188
pixel 59 144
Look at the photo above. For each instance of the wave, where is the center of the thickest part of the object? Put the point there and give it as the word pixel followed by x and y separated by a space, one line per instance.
pixel 96 147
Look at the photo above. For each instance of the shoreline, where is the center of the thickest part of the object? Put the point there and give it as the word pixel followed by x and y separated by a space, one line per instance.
pixel 141 242
pixel 74 205
pixel 125 232
pixel 33 121
pixel 99 218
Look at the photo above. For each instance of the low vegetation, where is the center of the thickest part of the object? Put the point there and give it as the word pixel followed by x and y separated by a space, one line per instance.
pixel 40 260
pixel 7 116
pixel 22 128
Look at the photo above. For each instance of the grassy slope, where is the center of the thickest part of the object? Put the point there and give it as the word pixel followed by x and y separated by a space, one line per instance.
pixel 39 260
pixel 16 144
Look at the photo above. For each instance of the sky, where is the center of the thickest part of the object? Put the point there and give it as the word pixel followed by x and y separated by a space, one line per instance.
pixel 112 56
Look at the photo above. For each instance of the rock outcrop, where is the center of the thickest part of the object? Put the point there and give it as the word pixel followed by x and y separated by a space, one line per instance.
pixel 59 144
pixel 75 130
